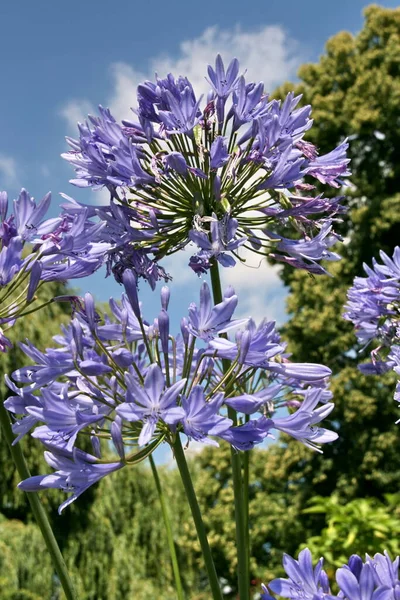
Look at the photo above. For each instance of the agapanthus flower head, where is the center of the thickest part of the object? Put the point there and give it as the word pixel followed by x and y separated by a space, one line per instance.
pixel 137 384
pixel 222 174
pixel 34 249
pixel 375 579
pixel 373 306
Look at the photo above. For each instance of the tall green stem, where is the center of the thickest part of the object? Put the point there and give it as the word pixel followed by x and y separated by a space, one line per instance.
pixel 246 469
pixel 241 518
pixel 197 518
pixel 168 528
pixel 37 508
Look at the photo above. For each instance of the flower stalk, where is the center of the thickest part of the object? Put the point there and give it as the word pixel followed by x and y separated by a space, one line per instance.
pixel 197 518
pixel 241 519
pixel 168 530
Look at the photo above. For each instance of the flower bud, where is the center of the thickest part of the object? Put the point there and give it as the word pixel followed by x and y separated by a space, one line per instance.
pixel 163 327
pixel 165 295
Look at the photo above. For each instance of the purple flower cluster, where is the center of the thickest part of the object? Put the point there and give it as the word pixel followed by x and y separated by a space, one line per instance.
pixel 34 250
pixel 223 175
pixel 131 382
pixel 375 578
pixel 374 308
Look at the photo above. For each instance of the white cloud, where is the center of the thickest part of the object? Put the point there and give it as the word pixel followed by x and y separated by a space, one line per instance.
pixel 45 171
pixel 260 290
pixel 267 55
pixel 8 172
pixel 101 196
pixel 177 265
pixel 76 111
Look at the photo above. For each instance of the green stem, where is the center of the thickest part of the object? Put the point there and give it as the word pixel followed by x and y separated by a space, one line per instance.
pixel 37 508
pixel 197 518
pixel 246 473
pixel 241 521
pixel 168 528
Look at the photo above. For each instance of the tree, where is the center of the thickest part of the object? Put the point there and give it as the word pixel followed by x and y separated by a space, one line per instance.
pixel 363 525
pixel 355 93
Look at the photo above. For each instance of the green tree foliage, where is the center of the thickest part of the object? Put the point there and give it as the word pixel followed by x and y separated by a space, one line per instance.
pixel 362 525
pixel 121 551
pixel 20 578
pixel 355 92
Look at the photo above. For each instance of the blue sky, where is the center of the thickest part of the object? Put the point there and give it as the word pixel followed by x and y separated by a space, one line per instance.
pixel 59 60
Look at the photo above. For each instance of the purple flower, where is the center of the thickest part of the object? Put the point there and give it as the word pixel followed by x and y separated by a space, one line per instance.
pixel 29 216
pixel 183 114
pixel 176 161
pixel 104 155
pixel 263 344
pixel 174 172
pixel 249 102
pixel 74 472
pixel 372 307
pixel 199 264
pixel 64 417
pixel 357 581
pixel 307 252
pixel 150 403
pixel 223 83
pixel 386 572
pixel 302 423
pixel 206 321
pixel 246 436
pixel 223 239
pixel 362 588
pixel 137 385
pixel 137 260
pixel 330 167
pixel 218 153
pixel 49 366
pixel 5 342
pixel 252 403
pixel 10 260
pixel 305 581
pixel 201 418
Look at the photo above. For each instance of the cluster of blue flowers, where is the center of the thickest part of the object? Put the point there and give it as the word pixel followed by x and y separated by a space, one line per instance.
pixel 222 177
pixel 34 250
pixel 375 578
pixel 374 308
pixel 131 382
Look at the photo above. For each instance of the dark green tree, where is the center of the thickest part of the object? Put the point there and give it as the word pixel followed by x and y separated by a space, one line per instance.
pixel 122 552
pixel 355 92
